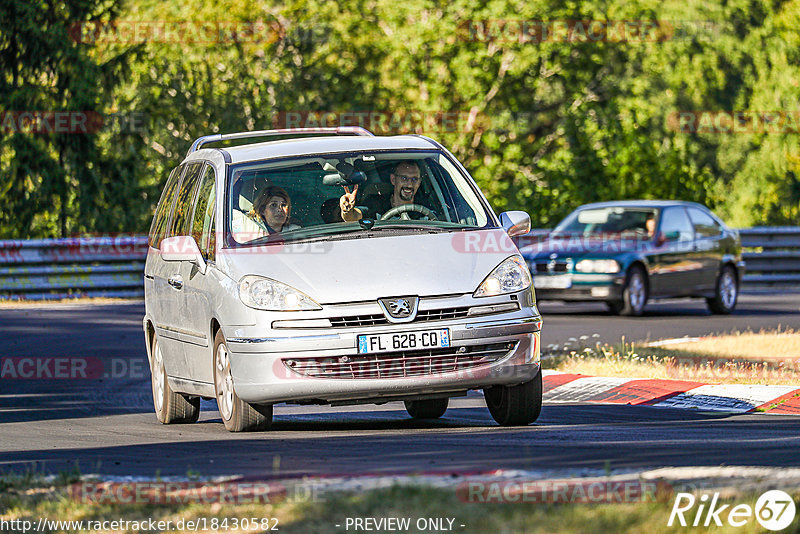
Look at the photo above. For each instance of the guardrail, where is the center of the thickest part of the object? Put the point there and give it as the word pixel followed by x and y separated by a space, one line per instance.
pixel 39 269
pixel 113 266
pixel 772 256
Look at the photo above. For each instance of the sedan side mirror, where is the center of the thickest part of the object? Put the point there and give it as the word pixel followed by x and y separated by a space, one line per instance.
pixel 515 222
pixel 183 248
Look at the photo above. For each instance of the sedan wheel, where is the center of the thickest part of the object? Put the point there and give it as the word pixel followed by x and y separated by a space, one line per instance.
pixel 237 415
pixel 427 409
pixel 634 295
pixel 726 293
pixel 170 407
pixel 515 405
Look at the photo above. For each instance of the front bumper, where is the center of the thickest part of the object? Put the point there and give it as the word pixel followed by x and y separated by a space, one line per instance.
pixel 581 286
pixel 261 374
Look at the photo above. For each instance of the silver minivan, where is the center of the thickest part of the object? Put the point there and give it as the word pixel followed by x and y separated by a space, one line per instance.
pixel 331 266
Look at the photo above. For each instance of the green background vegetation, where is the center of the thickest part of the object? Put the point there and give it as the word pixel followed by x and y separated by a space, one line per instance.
pixel 561 123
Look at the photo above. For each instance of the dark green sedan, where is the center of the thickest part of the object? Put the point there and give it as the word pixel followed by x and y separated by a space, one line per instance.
pixel 626 253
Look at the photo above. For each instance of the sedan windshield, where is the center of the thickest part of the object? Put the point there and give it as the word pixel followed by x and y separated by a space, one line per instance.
pixel 616 220
pixel 341 196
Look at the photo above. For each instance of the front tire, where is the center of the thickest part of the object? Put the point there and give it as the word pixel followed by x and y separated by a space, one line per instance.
pixel 170 407
pixel 427 409
pixel 726 292
pixel 634 294
pixel 515 405
pixel 237 415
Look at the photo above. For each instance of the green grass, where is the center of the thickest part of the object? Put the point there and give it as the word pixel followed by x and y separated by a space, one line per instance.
pixel 30 498
pixel 754 359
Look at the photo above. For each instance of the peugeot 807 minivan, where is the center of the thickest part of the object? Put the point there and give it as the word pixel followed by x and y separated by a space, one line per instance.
pixel 331 266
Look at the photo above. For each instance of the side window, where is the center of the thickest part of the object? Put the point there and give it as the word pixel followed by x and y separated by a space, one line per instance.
pixel 183 202
pixel 704 224
pixel 204 210
pixel 159 226
pixel 676 225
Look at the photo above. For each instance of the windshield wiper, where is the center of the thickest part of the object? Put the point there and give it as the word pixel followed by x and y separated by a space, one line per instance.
pixel 409 227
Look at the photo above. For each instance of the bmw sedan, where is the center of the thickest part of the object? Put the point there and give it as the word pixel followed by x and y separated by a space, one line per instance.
pixel 626 253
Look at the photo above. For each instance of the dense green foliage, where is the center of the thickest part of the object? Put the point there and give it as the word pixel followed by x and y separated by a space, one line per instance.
pixel 556 124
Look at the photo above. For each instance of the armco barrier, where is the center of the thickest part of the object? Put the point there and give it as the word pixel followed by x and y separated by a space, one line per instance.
pixel 772 256
pixel 76 267
pixel 113 266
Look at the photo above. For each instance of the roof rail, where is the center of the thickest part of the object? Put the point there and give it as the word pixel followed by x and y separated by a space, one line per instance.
pixel 340 130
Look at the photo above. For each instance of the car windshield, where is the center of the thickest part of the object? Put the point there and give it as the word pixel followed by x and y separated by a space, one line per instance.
pixel 614 220
pixel 394 192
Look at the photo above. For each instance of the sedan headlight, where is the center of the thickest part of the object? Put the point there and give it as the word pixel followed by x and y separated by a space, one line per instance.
pixel 597 266
pixel 509 277
pixel 266 294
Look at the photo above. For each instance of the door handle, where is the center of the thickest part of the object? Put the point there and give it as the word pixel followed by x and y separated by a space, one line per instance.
pixel 175 281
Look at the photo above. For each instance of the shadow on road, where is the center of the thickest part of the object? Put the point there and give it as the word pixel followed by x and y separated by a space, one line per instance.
pixel 566 437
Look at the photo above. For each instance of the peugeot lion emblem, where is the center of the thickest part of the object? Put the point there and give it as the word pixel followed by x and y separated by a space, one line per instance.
pixel 399 309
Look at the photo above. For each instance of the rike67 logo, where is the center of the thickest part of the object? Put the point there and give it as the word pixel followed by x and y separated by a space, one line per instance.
pixel 774 510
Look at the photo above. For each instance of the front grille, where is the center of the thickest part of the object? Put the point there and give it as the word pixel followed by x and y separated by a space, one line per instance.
pixel 559 267
pixel 440 315
pixel 400 364
pixel 380 319
pixel 358 320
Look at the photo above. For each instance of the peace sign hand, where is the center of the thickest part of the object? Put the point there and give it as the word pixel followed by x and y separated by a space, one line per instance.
pixel 347 202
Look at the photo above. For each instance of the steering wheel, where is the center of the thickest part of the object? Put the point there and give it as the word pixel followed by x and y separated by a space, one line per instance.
pixel 403 209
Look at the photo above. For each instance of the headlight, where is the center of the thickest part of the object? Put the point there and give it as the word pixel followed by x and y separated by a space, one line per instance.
pixel 597 266
pixel 509 277
pixel 265 294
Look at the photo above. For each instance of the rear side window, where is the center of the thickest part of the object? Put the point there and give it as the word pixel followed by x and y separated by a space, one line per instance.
pixel 204 210
pixel 183 203
pixel 159 226
pixel 704 224
pixel 676 225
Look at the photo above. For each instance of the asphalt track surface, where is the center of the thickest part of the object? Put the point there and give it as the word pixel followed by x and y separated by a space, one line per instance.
pixel 107 426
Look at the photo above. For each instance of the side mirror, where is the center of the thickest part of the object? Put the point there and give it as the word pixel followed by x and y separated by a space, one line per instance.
pixel 183 248
pixel 515 222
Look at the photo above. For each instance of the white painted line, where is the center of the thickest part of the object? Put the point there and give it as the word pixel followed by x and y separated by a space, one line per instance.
pixel 673 341
pixel 726 398
pixel 582 389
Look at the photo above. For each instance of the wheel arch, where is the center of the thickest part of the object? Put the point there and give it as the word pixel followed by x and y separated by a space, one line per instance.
pixel 150 336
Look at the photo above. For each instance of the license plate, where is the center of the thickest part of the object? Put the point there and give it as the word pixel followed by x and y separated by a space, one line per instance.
pixel 397 341
pixel 558 281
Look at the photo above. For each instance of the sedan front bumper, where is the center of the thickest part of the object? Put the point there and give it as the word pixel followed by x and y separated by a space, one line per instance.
pixel 579 286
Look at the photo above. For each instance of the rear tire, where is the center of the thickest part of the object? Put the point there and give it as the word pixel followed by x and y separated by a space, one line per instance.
pixel 515 405
pixel 170 407
pixel 634 294
pixel 427 409
pixel 237 415
pixel 726 292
